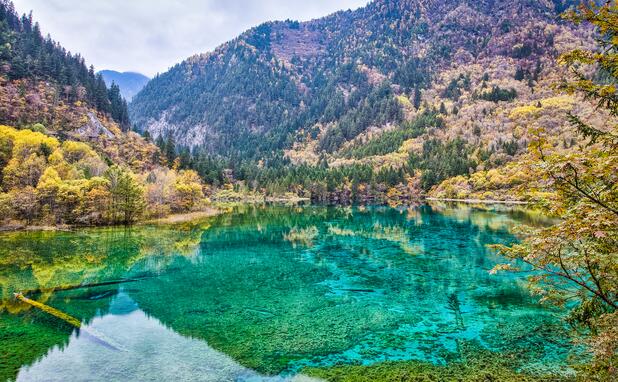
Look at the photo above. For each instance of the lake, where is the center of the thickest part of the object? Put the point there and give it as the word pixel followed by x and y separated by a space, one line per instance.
pixel 265 293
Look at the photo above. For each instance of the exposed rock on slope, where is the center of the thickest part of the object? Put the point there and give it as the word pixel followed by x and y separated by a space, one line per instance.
pixel 269 87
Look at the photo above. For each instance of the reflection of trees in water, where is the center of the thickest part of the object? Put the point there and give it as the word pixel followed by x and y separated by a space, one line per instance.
pixel 249 292
pixel 55 267
pixel 269 303
pixel 494 217
pixel 47 261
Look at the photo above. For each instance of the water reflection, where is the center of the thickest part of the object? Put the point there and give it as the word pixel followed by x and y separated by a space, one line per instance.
pixel 270 290
pixel 150 349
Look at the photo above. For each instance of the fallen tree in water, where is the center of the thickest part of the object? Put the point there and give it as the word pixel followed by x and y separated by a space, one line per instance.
pixel 90 333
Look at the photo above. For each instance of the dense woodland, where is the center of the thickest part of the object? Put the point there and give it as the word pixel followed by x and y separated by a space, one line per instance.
pixel 328 99
pixel 67 156
pixel 26 54
pixel 355 183
pixel 52 182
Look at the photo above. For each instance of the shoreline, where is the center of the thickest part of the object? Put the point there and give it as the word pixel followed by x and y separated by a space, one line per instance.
pixel 41 228
pixel 170 219
pixel 184 217
pixel 274 199
pixel 214 211
pixel 261 199
pixel 479 201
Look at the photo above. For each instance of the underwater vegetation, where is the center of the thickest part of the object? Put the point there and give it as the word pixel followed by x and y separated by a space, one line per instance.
pixel 472 363
pixel 341 293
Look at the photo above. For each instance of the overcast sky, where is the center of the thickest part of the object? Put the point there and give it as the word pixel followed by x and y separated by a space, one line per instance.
pixel 149 36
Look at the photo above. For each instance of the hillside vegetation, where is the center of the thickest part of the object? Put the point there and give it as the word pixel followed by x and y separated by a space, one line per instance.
pixel 29 60
pixel 66 154
pixel 54 182
pixel 394 87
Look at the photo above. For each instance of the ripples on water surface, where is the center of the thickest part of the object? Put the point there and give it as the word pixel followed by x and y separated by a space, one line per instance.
pixel 261 293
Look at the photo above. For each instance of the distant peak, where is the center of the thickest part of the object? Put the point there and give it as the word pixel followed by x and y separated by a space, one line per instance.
pixel 130 83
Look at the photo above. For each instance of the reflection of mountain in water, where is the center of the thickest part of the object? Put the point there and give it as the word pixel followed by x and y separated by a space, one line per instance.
pixel 276 289
pixel 169 355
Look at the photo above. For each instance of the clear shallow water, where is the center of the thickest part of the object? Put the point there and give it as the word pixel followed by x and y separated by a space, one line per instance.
pixel 261 293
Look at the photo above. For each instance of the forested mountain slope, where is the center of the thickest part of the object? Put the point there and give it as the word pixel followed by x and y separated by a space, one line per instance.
pixel 39 66
pixel 318 86
pixel 420 91
pixel 66 153
pixel 48 89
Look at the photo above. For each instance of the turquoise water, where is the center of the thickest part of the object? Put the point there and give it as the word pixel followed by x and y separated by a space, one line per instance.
pixel 262 293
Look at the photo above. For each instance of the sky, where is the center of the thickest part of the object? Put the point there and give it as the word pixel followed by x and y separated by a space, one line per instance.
pixel 149 36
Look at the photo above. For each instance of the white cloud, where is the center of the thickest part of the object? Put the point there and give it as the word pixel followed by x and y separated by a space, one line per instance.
pixel 149 36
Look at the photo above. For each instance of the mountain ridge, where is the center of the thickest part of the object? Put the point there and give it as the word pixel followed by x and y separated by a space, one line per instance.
pixel 130 83
pixel 267 39
pixel 290 93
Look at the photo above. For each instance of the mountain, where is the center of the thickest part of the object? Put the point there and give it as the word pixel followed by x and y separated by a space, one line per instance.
pixel 66 153
pixel 130 83
pixel 49 90
pixel 435 86
pixel 31 63
pixel 283 77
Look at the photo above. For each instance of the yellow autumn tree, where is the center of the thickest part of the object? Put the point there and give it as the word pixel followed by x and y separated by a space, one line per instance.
pixel 578 256
pixel 188 191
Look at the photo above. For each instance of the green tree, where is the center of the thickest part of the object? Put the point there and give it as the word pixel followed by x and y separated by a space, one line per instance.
pixel 170 149
pixel 440 161
pixel 417 98
pixel 118 107
pixel 127 195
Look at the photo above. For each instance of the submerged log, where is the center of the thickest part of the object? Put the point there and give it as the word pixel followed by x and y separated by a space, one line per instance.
pixel 92 285
pixel 49 310
pixel 360 290
pixel 90 333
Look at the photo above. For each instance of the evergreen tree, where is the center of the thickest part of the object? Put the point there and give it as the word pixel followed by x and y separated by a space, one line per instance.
pixel 170 149
pixel 118 107
pixel 26 54
pixel 443 109
pixel 417 98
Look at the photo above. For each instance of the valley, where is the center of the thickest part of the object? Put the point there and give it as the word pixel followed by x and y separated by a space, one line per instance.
pixel 410 190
